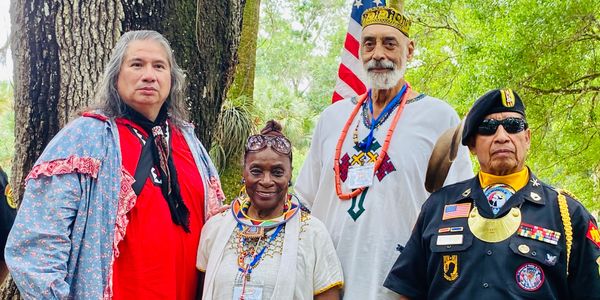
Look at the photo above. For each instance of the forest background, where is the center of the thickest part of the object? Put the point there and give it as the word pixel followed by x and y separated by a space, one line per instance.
pixel 548 51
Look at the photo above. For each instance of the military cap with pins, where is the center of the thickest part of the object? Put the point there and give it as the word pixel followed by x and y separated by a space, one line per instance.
pixel 494 101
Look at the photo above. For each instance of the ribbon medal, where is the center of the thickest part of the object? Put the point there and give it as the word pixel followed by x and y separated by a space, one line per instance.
pixel 450 229
pixel 539 233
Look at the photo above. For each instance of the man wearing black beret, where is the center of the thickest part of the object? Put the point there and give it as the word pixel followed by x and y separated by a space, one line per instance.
pixel 503 234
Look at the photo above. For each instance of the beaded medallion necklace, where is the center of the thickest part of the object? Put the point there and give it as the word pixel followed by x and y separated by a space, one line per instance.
pixel 386 144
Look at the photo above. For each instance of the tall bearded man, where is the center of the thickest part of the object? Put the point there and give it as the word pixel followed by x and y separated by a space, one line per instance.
pixel 364 175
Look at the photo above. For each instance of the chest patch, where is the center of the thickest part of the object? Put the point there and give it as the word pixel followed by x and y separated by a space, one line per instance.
pixel 497 195
pixel 450 267
pixel 530 277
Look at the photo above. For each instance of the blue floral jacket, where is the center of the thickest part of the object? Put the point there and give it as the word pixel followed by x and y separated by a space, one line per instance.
pixel 74 211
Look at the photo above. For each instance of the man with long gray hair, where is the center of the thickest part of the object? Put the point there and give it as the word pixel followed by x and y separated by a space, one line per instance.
pixel 114 206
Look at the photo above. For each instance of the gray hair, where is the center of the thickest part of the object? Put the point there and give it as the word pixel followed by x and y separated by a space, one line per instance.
pixel 107 97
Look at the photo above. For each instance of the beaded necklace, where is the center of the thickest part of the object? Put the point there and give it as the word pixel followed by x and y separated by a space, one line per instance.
pixel 250 229
pixel 240 207
pixel 386 144
pixel 250 258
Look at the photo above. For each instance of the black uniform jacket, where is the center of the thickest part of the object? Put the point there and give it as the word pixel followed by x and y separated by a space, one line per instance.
pixel 7 214
pixel 516 268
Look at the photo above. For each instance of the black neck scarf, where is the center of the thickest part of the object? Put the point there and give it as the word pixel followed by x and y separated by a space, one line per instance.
pixel 163 160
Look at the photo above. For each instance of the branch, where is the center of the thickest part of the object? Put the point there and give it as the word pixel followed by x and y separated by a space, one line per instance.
pixel 446 26
pixel 563 91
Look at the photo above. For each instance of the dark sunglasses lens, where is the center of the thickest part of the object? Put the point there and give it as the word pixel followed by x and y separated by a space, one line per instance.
pixel 488 127
pixel 514 125
pixel 511 125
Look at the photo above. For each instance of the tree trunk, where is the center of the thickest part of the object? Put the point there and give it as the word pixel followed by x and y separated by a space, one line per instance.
pixel 85 31
pixel 59 51
pixel 217 46
pixel 60 48
pixel 243 80
pixel 37 80
pixel 241 94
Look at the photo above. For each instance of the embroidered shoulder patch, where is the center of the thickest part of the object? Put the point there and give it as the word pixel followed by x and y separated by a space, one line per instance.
pixel 593 234
pixel 10 200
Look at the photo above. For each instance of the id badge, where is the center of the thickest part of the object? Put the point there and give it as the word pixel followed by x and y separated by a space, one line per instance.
pixel 360 176
pixel 252 292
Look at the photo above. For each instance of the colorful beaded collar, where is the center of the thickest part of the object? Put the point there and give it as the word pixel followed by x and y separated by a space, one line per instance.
pixel 240 206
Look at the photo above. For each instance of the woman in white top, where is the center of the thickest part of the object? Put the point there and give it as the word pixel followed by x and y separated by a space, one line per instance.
pixel 251 250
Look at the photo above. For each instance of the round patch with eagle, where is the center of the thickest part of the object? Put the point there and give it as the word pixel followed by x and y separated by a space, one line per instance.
pixel 530 277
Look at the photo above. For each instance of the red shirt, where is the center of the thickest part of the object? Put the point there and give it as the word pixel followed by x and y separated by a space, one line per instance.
pixel 158 258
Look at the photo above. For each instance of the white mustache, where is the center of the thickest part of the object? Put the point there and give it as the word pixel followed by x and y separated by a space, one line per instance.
pixel 385 80
pixel 380 64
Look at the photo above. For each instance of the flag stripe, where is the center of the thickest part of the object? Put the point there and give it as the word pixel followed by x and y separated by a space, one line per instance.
pixel 351 79
pixel 347 90
pixel 337 97
pixel 355 29
pixel 355 65
pixel 351 45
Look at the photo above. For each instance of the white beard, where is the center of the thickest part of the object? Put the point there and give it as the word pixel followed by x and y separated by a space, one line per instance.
pixel 387 80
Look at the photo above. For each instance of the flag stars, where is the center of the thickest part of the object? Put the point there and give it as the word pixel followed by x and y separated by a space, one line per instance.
pixel 377 2
pixel 358 3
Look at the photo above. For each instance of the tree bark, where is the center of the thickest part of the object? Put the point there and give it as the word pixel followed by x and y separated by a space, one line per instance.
pixel 241 93
pixel 217 46
pixel 37 79
pixel 243 80
pixel 60 49
pixel 86 31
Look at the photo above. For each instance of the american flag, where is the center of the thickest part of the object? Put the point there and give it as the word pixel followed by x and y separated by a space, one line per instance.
pixel 351 79
pixel 452 211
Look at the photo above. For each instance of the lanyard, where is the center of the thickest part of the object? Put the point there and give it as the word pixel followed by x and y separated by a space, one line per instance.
pixel 365 146
pixel 340 143
pixel 257 257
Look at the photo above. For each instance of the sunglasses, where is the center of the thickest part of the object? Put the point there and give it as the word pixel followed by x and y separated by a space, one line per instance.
pixel 258 142
pixel 511 125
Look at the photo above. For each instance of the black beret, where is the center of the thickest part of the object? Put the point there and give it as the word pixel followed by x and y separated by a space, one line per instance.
pixel 494 101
